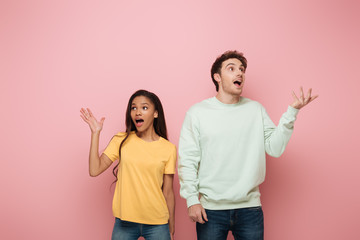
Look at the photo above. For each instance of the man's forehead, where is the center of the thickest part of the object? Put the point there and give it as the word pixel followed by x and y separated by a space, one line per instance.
pixel 232 61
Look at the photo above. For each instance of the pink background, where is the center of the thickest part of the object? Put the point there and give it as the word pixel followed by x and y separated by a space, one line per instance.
pixel 59 56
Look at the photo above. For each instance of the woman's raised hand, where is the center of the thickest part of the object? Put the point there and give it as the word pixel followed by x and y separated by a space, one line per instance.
pixel 95 125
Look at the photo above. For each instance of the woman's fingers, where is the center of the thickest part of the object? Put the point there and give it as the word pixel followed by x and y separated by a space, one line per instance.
pixel 102 120
pixel 90 113
pixel 84 118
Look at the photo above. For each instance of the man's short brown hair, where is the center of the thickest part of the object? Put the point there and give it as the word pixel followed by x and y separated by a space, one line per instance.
pixel 216 67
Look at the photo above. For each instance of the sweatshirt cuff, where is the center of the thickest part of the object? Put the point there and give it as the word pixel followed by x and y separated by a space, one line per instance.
pixel 192 201
pixel 292 111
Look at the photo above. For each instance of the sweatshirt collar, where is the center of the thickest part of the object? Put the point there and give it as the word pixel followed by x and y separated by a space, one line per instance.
pixel 219 103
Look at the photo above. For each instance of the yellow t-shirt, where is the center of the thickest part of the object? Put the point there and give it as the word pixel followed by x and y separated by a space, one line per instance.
pixel 138 193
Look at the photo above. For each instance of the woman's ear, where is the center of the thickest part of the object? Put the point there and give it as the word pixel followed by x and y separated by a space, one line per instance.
pixel 156 114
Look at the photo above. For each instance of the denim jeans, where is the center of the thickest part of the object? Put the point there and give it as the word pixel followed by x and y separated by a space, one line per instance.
pixel 124 230
pixel 244 223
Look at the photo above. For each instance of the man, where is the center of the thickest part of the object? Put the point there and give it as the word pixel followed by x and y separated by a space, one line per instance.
pixel 222 154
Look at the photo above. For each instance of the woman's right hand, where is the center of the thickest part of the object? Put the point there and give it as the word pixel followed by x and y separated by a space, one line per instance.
pixel 95 125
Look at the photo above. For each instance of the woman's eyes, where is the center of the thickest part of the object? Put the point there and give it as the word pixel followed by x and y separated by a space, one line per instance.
pixel 144 108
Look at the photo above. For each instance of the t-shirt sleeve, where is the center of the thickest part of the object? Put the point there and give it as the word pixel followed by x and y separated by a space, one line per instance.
pixel 112 149
pixel 171 163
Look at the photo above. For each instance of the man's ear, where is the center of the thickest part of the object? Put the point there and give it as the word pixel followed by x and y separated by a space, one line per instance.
pixel 217 77
pixel 156 114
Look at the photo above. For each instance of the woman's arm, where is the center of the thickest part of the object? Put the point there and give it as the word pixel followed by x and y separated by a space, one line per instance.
pixel 97 164
pixel 168 192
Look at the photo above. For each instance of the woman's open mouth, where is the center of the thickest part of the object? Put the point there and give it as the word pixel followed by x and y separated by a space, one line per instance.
pixel 139 122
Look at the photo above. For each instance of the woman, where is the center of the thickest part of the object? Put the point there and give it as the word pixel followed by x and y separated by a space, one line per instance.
pixel 143 203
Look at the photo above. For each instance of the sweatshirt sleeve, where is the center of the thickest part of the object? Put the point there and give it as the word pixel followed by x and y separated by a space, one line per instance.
pixel 277 137
pixel 189 158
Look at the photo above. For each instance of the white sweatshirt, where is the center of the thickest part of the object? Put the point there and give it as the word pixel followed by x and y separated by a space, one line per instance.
pixel 222 152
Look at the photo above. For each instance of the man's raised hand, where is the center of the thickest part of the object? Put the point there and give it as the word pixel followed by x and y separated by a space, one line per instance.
pixel 302 101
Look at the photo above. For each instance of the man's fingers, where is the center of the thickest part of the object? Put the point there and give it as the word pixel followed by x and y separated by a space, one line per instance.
pixel 204 214
pixel 308 96
pixel 197 213
pixel 295 97
pixel 200 220
pixel 199 217
pixel 309 92
pixel 302 98
pixel 313 98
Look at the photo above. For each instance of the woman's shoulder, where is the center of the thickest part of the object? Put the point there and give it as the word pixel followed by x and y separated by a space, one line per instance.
pixel 167 144
pixel 119 136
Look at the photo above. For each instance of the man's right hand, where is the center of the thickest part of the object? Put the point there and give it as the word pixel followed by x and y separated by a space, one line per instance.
pixel 197 213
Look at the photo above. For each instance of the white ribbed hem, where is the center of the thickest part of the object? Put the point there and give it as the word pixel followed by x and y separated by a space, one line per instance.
pixel 211 205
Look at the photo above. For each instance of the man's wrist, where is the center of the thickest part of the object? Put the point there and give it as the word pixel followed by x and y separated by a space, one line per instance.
pixel 192 201
pixel 293 110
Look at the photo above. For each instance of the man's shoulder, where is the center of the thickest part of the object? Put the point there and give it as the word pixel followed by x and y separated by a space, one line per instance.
pixel 211 104
pixel 251 102
pixel 204 104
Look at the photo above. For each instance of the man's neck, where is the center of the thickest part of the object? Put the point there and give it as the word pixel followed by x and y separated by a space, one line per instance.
pixel 228 98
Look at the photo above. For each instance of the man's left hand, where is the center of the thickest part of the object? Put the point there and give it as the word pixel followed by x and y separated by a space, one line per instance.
pixel 302 101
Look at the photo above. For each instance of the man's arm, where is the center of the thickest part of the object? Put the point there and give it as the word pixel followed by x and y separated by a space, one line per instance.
pixel 277 137
pixel 189 159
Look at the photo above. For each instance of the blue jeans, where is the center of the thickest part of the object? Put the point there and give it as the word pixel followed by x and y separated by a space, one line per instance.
pixel 124 230
pixel 244 223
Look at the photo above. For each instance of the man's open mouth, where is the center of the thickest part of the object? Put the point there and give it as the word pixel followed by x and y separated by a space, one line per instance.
pixel 237 83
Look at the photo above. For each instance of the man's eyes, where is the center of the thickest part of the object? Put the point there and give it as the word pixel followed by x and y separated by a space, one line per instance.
pixel 232 69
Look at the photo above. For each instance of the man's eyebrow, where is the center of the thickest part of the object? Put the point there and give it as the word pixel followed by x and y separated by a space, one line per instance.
pixel 241 65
